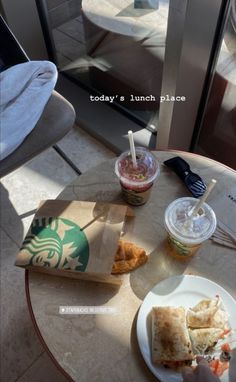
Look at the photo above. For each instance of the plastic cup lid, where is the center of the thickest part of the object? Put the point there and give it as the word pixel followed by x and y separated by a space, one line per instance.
pixel 147 170
pixel 187 229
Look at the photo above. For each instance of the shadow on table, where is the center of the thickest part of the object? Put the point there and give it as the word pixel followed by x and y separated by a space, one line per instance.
pixel 140 363
pixel 159 266
pixel 131 11
pixel 70 292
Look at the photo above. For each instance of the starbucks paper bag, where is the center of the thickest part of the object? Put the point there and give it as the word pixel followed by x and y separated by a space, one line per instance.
pixel 74 239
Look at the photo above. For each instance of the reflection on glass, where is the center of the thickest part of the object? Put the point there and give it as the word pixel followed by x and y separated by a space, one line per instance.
pixel 218 133
pixel 115 48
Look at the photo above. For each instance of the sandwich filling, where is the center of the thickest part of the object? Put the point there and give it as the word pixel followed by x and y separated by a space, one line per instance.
pixel 203 340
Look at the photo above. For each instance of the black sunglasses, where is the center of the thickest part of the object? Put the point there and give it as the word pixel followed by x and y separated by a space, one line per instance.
pixel 192 181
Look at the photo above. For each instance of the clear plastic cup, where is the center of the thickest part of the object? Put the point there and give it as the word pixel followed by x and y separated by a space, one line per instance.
pixel 136 183
pixel 186 233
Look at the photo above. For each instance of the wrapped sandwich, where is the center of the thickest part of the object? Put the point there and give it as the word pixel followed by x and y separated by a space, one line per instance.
pixel 179 334
pixel 203 340
pixel 171 344
pixel 208 314
pixel 207 321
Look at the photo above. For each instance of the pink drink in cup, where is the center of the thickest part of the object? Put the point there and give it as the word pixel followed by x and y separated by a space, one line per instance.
pixel 136 182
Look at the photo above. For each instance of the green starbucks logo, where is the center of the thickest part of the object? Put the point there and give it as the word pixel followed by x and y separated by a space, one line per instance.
pixel 55 243
pixel 179 247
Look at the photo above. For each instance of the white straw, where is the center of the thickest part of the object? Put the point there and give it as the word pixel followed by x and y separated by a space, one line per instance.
pixel 204 197
pixel 132 148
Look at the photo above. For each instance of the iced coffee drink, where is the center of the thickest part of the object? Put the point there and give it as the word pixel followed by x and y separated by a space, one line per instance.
pixel 186 231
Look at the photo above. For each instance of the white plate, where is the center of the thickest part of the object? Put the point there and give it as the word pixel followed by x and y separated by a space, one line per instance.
pixel 177 291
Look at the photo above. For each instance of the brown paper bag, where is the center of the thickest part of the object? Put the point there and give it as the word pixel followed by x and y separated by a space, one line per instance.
pixel 74 239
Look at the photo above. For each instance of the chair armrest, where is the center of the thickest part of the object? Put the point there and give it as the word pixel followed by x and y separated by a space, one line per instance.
pixel 55 122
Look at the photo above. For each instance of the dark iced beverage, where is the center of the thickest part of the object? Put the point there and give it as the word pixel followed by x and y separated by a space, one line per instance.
pixel 137 181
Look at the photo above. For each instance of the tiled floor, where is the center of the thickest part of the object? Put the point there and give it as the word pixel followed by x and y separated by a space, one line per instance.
pixel 23 358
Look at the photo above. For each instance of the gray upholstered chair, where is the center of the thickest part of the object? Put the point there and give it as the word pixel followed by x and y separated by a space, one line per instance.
pixel 56 120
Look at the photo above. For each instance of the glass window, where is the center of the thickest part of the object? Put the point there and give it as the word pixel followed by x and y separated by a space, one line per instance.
pixel 113 48
pixel 217 137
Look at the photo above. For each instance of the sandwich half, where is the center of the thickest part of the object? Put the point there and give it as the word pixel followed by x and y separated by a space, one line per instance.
pixel 171 344
pixel 207 314
pixel 204 339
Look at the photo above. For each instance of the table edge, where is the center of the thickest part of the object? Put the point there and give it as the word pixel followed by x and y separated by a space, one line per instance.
pixel 195 155
pixel 107 30
pixel 37 330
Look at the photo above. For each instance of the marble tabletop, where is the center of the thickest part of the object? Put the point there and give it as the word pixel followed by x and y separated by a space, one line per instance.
pixel 121 17
pixel 104 347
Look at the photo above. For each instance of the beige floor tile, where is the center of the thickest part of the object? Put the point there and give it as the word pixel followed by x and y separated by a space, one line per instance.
pixel 22 190
pixel 20 346
pixel 43 370
pixel 74 29
pixel 67 46
pixel 84 150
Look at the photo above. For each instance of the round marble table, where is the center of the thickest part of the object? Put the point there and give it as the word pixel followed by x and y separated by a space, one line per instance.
pixel 121 17
pixel 108 19
pixel 104 347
